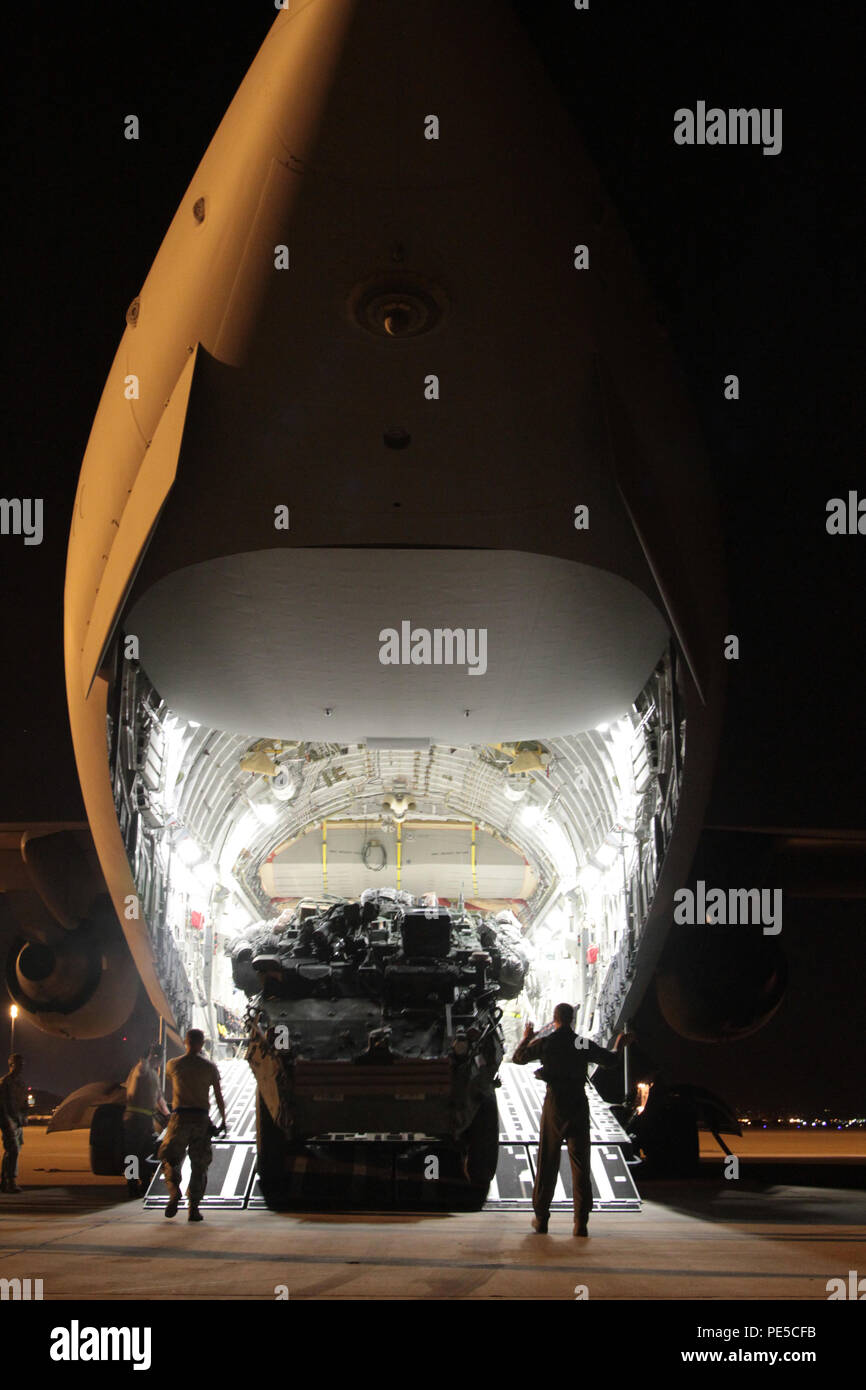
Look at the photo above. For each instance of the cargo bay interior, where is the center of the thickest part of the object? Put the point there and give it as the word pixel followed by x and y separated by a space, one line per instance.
pixel 223 829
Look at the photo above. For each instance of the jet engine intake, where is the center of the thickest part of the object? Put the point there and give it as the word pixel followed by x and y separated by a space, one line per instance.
pixel 80 985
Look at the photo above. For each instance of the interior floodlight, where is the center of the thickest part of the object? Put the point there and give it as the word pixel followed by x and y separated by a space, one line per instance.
pixel 515 791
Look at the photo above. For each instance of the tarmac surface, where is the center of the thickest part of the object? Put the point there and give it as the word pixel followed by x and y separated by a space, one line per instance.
pixel 756 1238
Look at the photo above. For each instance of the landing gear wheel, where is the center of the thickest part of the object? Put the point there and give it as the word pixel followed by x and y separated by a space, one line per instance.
pixel 106 1141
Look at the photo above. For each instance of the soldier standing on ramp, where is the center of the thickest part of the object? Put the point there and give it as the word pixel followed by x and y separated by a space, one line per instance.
pixel 565 1113
pixel 190 1127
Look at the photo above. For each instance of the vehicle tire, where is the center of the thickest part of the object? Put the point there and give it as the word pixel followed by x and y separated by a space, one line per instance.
pixel 482 1146
pixel 272 1150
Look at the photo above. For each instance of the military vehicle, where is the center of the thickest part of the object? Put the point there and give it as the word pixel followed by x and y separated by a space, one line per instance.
pixel 375 1038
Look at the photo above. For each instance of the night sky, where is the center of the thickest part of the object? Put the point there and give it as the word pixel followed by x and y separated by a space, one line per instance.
pixel 751 258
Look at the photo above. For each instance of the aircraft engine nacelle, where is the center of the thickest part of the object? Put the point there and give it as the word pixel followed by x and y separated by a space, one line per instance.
pixel 720 983
pixel 69 969
pixel 81 985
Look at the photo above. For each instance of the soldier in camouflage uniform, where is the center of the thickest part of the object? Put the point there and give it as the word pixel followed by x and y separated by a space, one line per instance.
pixel 189 1127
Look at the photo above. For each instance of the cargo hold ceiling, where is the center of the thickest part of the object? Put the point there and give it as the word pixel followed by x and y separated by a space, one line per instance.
pixel 291 644
pixel 554 815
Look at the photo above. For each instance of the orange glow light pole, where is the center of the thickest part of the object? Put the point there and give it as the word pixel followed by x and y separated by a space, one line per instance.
pixel 13 1014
